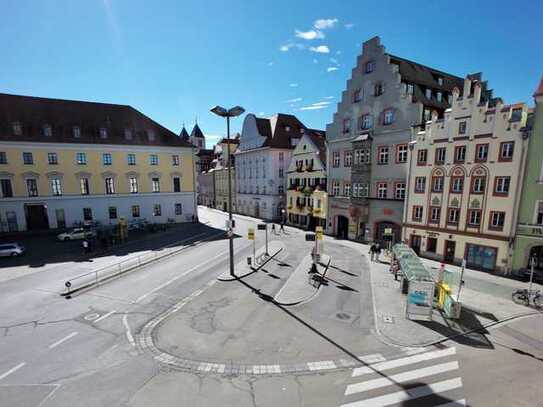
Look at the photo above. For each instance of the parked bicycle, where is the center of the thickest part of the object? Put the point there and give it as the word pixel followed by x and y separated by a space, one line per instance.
pixel 524 296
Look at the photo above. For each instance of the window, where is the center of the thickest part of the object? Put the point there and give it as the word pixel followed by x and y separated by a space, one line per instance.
pixel 437 184
pixel 281 173
pixel 84 186
pixel 420 184
pixel 481 152
pixel 346 125
pixel 17 129
pixel 431 245
pixel 367 122
pixel 501 185
pixel 81 158
pixel 56 186
pixel 7 190
pixel 87 214
pixel 478 185
pixel 280 189
pixel 135 211
pixel 401 153
pixel 440 81
pixel 428 93
pixel 365 156
pixel 335 188
pixel 175 160
pixel 335 159
pixel 28 159
pixel 435 214
pixel 131 159
pixel 176 184
pixel 516 115
pixel 76 132
pixel 364 190
pixel 388 117
pixel 112 210
pixel 106 158
pixel 127 134
pixel 155 184
pixel 103 133
pixel 370 66
pixel 474 217
pixel 355 190
pixel 460 154
pixel 440 155
pixel 382 154
pixel 379 89
pixel 506 151
pixel 153 159
pixel 178 209
pixel 133 185
pixel 157 210
pixel 457 184
pixel 3 157
pixel 497 220
pixel 52 158
pixel 399 192
pixel 410 89
pixel 454 216
pixel 382 190
pixel 110 187
pixel 356 96
pixel 422 157
pixel 427 114
pixel 348 160
pixel 539 214
pixel 439 96
pixel 347 189
pixel 417 213
pixel 462 128
pixel 47 131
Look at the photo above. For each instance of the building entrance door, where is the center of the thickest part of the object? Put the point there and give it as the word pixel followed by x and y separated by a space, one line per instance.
pixel 36 217
pixel 450 246
pixel 61 220
pixel 342 227
pixel 415 243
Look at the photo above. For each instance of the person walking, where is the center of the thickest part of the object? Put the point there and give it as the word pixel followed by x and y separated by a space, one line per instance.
pixel 377 252
pixel 372 252
pixel 85 245
pixel 282 226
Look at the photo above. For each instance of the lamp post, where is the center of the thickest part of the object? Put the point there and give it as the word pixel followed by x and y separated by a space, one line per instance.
pixel 228 113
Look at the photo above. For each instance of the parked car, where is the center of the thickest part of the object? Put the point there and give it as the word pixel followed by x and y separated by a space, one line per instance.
pixel 11 250
pixel 78 233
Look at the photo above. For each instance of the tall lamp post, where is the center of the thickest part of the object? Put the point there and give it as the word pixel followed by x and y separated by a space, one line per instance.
pixel 228 113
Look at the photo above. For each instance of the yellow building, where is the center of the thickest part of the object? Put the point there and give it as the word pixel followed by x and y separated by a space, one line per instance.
pixel 65 162
pixel 307 199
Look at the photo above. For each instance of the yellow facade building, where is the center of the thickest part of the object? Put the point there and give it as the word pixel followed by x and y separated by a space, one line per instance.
pixel 63 163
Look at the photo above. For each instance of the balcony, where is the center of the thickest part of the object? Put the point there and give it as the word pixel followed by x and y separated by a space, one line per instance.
pixel 528 229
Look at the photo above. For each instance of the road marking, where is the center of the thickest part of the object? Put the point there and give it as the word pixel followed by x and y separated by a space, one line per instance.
pixel 406 395
pixel 104 316
pixel 400 378
pixel 128 333
pixel 91 317
pixel 13 369
pixel 391 364
pixel 457 403
pixel 161 286
pixel 54 345
pixel 373 358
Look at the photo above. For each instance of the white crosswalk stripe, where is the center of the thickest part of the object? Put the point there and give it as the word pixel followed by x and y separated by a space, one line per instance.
pixel 417 376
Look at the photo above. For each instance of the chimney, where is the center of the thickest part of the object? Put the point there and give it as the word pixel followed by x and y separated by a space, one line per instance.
pixel 467 87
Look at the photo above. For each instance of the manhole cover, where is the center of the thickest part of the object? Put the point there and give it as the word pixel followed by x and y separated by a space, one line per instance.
pixel 343 316
pixel 388 319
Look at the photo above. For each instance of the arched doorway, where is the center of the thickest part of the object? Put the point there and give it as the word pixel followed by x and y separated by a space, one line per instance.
pixel 342 227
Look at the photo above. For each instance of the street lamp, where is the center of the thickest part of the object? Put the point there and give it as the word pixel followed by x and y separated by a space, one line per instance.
pixel 228 113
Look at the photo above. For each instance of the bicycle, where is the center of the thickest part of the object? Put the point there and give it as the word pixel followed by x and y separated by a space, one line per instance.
pixel 523 296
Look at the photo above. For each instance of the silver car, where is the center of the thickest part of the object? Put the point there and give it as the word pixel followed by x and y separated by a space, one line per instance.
pixel 11 250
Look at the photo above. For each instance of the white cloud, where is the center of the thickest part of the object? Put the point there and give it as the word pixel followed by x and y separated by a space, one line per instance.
pixel 294 100
pixel 261 113
pixel 293 85
pixel 331 69
pixel 310 35
pixel 321 49
pixel 324 23
pixel 286 47
pixel 320 103
pixel 348 26
pixel 328 97
pixel 316 106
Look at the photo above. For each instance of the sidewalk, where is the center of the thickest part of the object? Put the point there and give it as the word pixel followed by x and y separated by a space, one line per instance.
pixel 479 310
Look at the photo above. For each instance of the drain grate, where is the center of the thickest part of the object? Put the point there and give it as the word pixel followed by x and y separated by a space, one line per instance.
pixel 388 319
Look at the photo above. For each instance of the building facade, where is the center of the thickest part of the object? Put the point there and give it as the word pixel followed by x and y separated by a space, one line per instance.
pixel 306 194
pixel 385 96
pixel 262 160
pixel 206 189
pixel 465 177
pixel 64 162
pixel 529 235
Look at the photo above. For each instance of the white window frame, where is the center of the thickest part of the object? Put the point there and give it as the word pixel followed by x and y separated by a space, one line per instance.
pixel 382 190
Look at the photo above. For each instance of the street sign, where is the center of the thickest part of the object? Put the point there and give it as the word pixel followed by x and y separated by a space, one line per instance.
pixel 318 232
pixel 309 237
pixel 261 226
pixel 388 231
pixel 251 234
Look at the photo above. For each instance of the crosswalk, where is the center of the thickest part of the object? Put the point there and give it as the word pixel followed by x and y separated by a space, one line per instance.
pixel 420 378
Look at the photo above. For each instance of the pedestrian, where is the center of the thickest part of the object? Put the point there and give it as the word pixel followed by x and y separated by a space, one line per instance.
pixel 377 252
pixel 372 252
pixel 85 245
pixel 273 228
pixel 282 226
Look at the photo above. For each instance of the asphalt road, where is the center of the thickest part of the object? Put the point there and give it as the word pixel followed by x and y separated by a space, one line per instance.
pixel 80 352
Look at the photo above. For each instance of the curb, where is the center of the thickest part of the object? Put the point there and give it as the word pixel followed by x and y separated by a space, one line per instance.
pixel 253 270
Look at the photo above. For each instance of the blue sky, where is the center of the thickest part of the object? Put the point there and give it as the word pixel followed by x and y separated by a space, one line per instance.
pixel 174 59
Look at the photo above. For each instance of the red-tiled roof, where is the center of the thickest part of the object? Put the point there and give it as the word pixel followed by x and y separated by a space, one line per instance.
pixel 539 90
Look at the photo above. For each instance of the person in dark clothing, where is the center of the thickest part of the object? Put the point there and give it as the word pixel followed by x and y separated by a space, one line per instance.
pixel 372 252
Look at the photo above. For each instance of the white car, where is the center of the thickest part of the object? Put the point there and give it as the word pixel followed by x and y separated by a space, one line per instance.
pixel 11 250
pixel 75 234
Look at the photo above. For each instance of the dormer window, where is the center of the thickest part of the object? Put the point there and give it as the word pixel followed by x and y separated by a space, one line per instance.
pixel 410 89
pixel 76 132
pixel 429 93
pixel 17 129
pixel 127 134
pixel 47 131
pixel 103 132
pixel 370 67
pixel 440 81
pixel 439 96
pixel 150 135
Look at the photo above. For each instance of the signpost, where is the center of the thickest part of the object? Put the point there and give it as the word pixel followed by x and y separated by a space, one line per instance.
pixel 263 226
pixel 251 236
